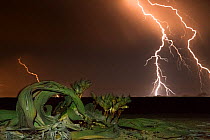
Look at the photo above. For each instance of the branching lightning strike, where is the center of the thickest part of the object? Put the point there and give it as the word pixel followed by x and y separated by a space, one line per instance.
pixel 37 78
pixel 160 80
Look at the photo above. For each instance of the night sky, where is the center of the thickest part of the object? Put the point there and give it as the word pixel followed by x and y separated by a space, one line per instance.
pixel 104 41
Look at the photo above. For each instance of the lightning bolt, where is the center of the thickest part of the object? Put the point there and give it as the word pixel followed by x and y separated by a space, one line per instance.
pixel 161 79
pixel 37 78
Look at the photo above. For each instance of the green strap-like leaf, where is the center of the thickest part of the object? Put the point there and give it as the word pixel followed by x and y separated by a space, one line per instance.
pixel 31 102
pixel 39 103
pixel 25 108
pixel 107 133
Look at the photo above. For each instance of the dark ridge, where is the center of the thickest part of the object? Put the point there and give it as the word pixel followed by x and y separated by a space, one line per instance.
pixel 143 105
pixel 8 103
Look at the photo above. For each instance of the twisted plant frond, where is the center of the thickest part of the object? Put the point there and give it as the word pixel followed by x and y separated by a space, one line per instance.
pixel 32 99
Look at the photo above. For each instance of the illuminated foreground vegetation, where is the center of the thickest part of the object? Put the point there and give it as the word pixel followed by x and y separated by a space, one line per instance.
pixel 71 119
